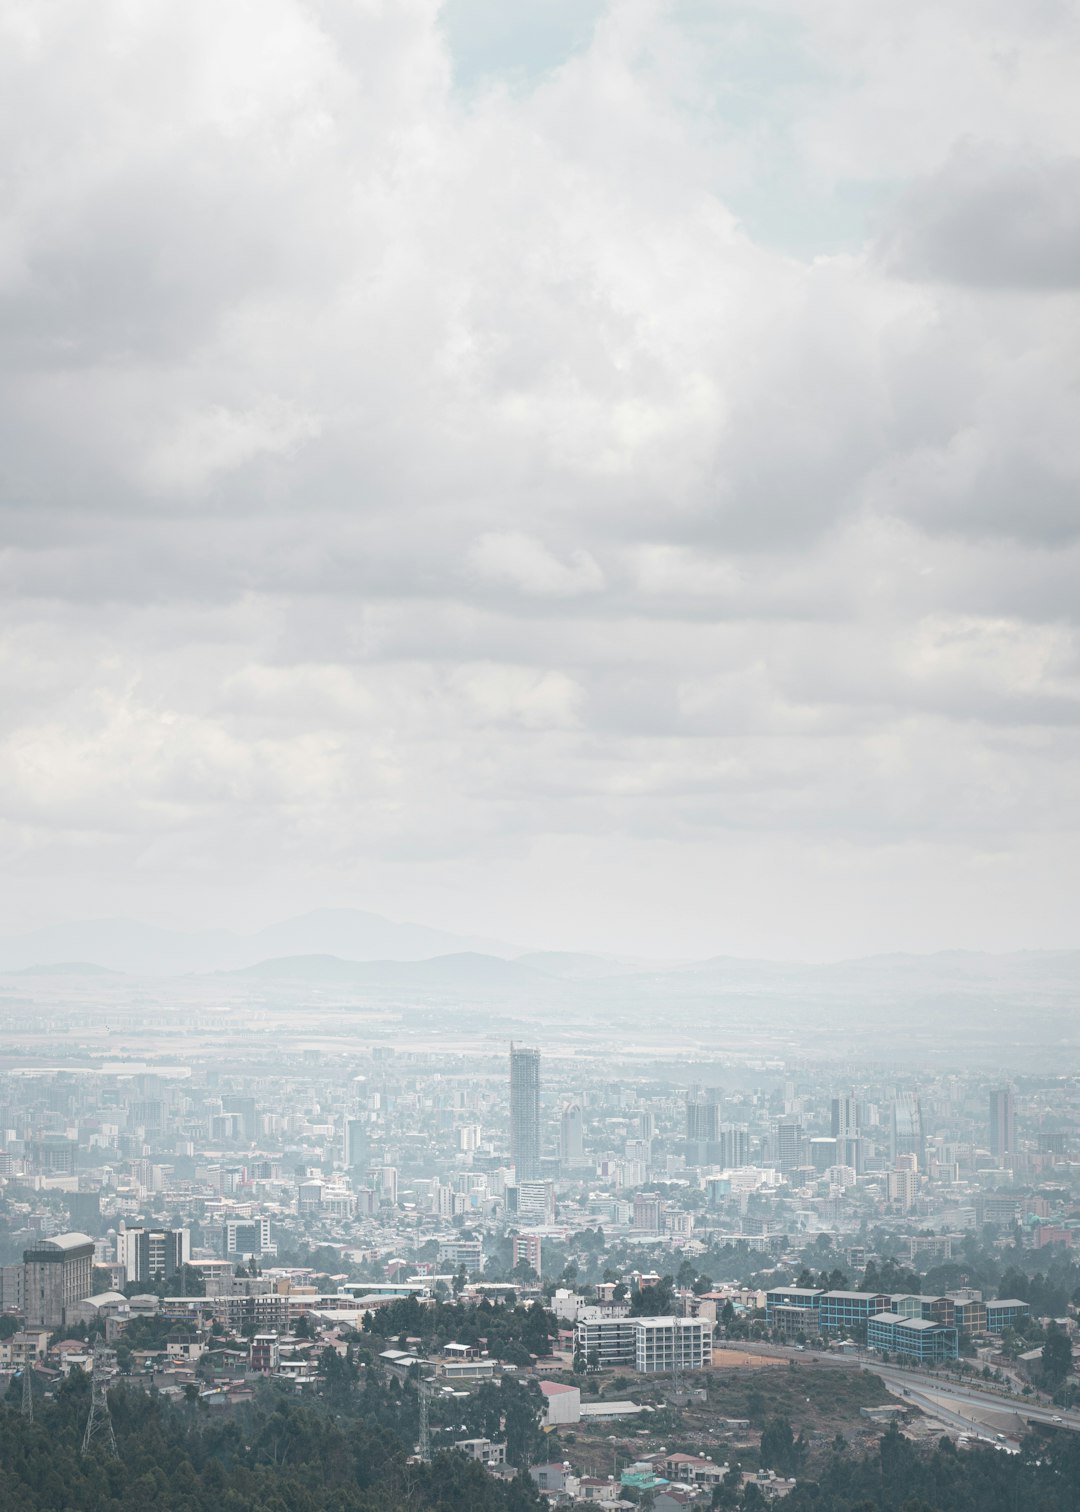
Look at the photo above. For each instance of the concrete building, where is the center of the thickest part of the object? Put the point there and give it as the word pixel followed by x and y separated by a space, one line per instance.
pixel 845 1117
pixel 792 1296
pixel 357 1148
pixel 527 1248
pixel 1005 1312
pixel 244 1237
pixel 669 1343
pixel 903 1184
pixel 648 1212
pixel 454 1253
pixel 789 1145
pixel 823 1152
pixel 57 1273
pixel 265 1354
pixel 572 1134
pixel 562 1404
pixel 152 1254
pixel 703 1118
pixel 919 1338
pixel 647 1345
pixel 1002 1124
pixel 525 1112
pixel 841 1311
pixel 906 1127
pixel 532 1201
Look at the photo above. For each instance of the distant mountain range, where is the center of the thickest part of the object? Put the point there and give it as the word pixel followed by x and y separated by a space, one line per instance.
pixel 148 950
pixel 366 952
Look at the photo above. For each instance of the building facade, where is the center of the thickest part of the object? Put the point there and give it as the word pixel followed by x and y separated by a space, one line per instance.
pixel 918 1338
pixel 57 1273
pixel 648 1345
pixel 525 1112
pixel 152 1254
pixel 1002 1123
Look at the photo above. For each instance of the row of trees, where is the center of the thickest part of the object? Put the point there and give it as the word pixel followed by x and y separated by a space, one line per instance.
pixel 276 1455
pixel 510 1333
pixel 900 1476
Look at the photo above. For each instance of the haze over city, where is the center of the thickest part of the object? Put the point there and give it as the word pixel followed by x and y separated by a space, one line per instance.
pixel 539 796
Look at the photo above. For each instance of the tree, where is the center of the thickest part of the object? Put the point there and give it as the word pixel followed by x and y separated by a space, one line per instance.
pixel 654 1301
pixel 1056 1356
pixel 780 1450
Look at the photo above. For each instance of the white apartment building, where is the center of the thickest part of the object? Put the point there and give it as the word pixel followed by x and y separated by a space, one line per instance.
pixel 458 1252
pixel 647 1345
pixel 665 1344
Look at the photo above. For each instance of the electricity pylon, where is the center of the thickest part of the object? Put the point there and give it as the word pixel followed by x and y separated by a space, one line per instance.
pixel 423 1391
pixel 99 1428
pixel 27 1406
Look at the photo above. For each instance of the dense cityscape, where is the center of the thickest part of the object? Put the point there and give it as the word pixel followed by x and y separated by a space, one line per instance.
pixel 554 1262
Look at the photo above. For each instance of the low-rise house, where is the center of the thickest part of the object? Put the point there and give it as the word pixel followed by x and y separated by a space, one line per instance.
pixel 483 1451
pixel 562 1404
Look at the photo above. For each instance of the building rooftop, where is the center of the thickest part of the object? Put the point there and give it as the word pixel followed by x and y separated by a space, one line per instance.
pixel 70 1241
pixel 668 1321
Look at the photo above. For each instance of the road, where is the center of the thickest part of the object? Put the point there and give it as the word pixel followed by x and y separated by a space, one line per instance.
pixel 915 1383
pixel 965 1395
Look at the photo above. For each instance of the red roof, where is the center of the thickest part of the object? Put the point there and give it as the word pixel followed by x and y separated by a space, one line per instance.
pixel 555 1388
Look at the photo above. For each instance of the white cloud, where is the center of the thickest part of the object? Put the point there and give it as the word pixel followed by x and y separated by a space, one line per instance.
pixel 417 478
pixel 508 557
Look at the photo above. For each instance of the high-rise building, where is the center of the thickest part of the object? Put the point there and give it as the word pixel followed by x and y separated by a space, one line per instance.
pixel 845 1117
pixel 903 1182
pixel 526 1247
pixel 532 1201
pixel 525 1112
pixel 247 1236
pixel 789 1145
pixel 648 1212
pixel 52 1154
pixel 823 1153
pixel 357 1152
pixel 703 1119
pixel 1002 1123
pixel 906 1128
pixel 152 1254
pixel 572 1134
pixel 734 1146
pixel 57 1273
pixel 245 1110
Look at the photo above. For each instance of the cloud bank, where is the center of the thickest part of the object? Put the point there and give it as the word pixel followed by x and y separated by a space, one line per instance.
pixel 610 483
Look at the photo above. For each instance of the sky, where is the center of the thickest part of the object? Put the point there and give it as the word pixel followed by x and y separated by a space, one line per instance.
pixel 600 475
